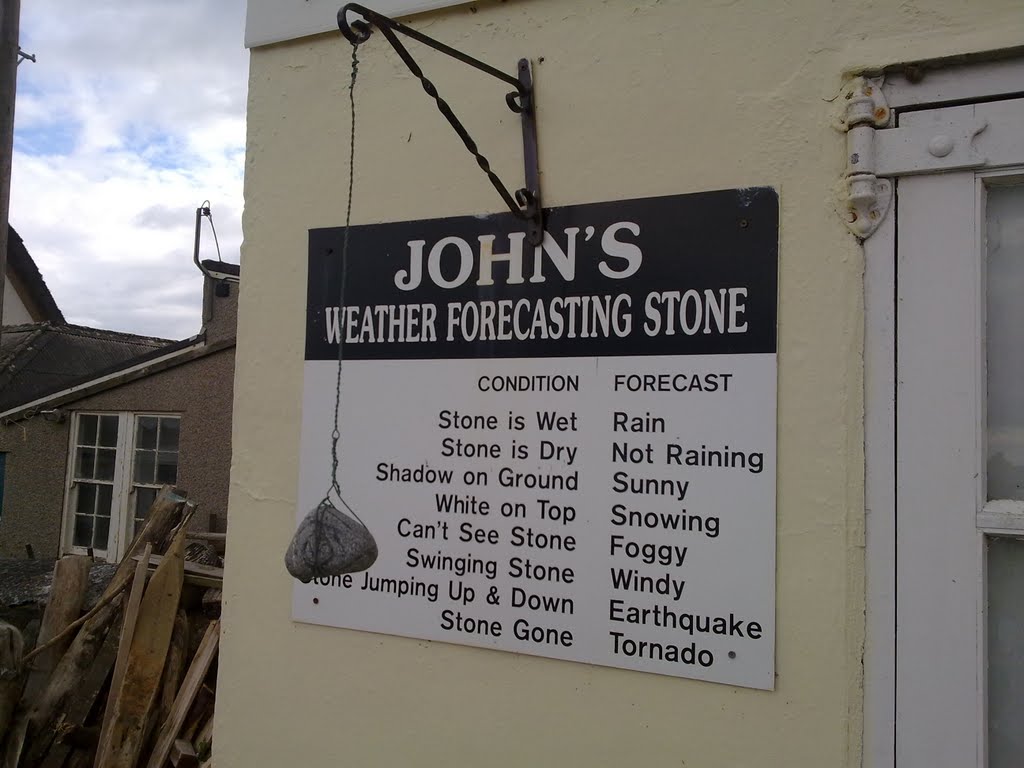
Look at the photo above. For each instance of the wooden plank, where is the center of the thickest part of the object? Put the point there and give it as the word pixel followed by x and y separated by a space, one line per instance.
pixel 189 688
pixel 219 540
pixel 67 594
pixel 146 660
pixel 202 710
pixel 163 516
pixel 12 650
pixel 85 698
pixel 16 729
pixel 174 669
pixel 204 739
pixel 71 670
pixel 202 581
pixel 183 755
pixel 209 572
pixel 14 744
pixel 131 616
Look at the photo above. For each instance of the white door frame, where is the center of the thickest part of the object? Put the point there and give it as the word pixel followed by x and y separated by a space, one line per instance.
pixel 960 85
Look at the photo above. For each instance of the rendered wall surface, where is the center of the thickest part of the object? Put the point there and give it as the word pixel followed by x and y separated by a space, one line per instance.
pixel 15 311
pixel 635 99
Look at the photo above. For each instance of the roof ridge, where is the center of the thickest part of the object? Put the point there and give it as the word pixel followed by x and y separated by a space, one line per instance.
pixel 85 330
pixel 22 327
pixel 195 343
pixel 6 361
pixel 21 263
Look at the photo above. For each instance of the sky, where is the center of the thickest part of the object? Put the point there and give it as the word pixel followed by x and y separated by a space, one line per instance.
pixel 131 117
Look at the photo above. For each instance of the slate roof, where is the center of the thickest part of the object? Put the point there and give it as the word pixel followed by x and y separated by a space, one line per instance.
pixel 20 263
pixel 39 359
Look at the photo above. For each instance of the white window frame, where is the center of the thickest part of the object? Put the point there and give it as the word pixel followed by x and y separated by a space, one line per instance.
pixel 122 507
pixel 967 84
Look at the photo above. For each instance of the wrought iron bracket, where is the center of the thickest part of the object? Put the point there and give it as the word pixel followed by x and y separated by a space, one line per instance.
pixel 526 202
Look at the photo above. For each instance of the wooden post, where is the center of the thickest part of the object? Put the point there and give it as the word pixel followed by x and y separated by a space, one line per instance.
pixel 161 520
pixel 67 677
pixel 131 615
pixel 81 703
pixel 12 648
pixel 10 21
pixel 67 593
pixel 145 665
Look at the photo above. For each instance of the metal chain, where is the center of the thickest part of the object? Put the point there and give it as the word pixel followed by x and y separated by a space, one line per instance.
pixel 336 432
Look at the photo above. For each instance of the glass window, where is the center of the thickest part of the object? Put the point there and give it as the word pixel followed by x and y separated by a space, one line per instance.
pixel 1004 229
pixel 92 488
pixel 155 461
pixel 1005 652
pixel 115 477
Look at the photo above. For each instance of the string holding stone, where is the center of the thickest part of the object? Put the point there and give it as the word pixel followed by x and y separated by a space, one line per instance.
pixel 330 541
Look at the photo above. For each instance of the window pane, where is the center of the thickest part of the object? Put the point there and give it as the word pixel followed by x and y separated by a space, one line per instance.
pixel 105 463
pixel 167 468
pixel 168 434
pixel 105 494
pixel 85 462
pixel 87 430
pixel 99 539
pixel 1004 229
pixel 1005 653
pixel 146 435
pixel 83 531
pixel 145 466
pixel 108 431
pixel 144 498
pixel 86 501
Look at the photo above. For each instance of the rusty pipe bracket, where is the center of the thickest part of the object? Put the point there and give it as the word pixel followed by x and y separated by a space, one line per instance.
pixel 526 202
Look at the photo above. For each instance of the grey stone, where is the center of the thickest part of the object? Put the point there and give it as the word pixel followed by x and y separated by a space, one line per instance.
pixel 329 543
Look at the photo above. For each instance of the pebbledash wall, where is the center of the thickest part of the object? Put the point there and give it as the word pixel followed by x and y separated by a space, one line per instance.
pixel 635 99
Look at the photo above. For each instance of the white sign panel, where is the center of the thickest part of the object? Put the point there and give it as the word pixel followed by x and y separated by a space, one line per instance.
pixel 566 451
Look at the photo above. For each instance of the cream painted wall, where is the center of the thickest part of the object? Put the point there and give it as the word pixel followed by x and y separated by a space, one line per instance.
pixel 635 99
pixel 15 311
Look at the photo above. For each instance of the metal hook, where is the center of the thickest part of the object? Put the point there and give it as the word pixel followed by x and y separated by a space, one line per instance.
pixel 526 203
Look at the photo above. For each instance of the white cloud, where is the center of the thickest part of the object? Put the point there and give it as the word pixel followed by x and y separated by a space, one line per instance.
pixel 132 116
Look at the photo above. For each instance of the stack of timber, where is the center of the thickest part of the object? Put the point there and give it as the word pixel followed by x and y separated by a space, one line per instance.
pixel 124 679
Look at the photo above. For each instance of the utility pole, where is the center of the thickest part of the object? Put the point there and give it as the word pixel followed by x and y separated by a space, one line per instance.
pixel 10 21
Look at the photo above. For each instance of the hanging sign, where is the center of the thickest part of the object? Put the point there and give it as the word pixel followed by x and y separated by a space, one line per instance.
pixel 566 451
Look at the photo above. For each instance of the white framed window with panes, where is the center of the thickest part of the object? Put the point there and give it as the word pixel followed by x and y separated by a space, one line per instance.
pixel 944 409
pixel 117 463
